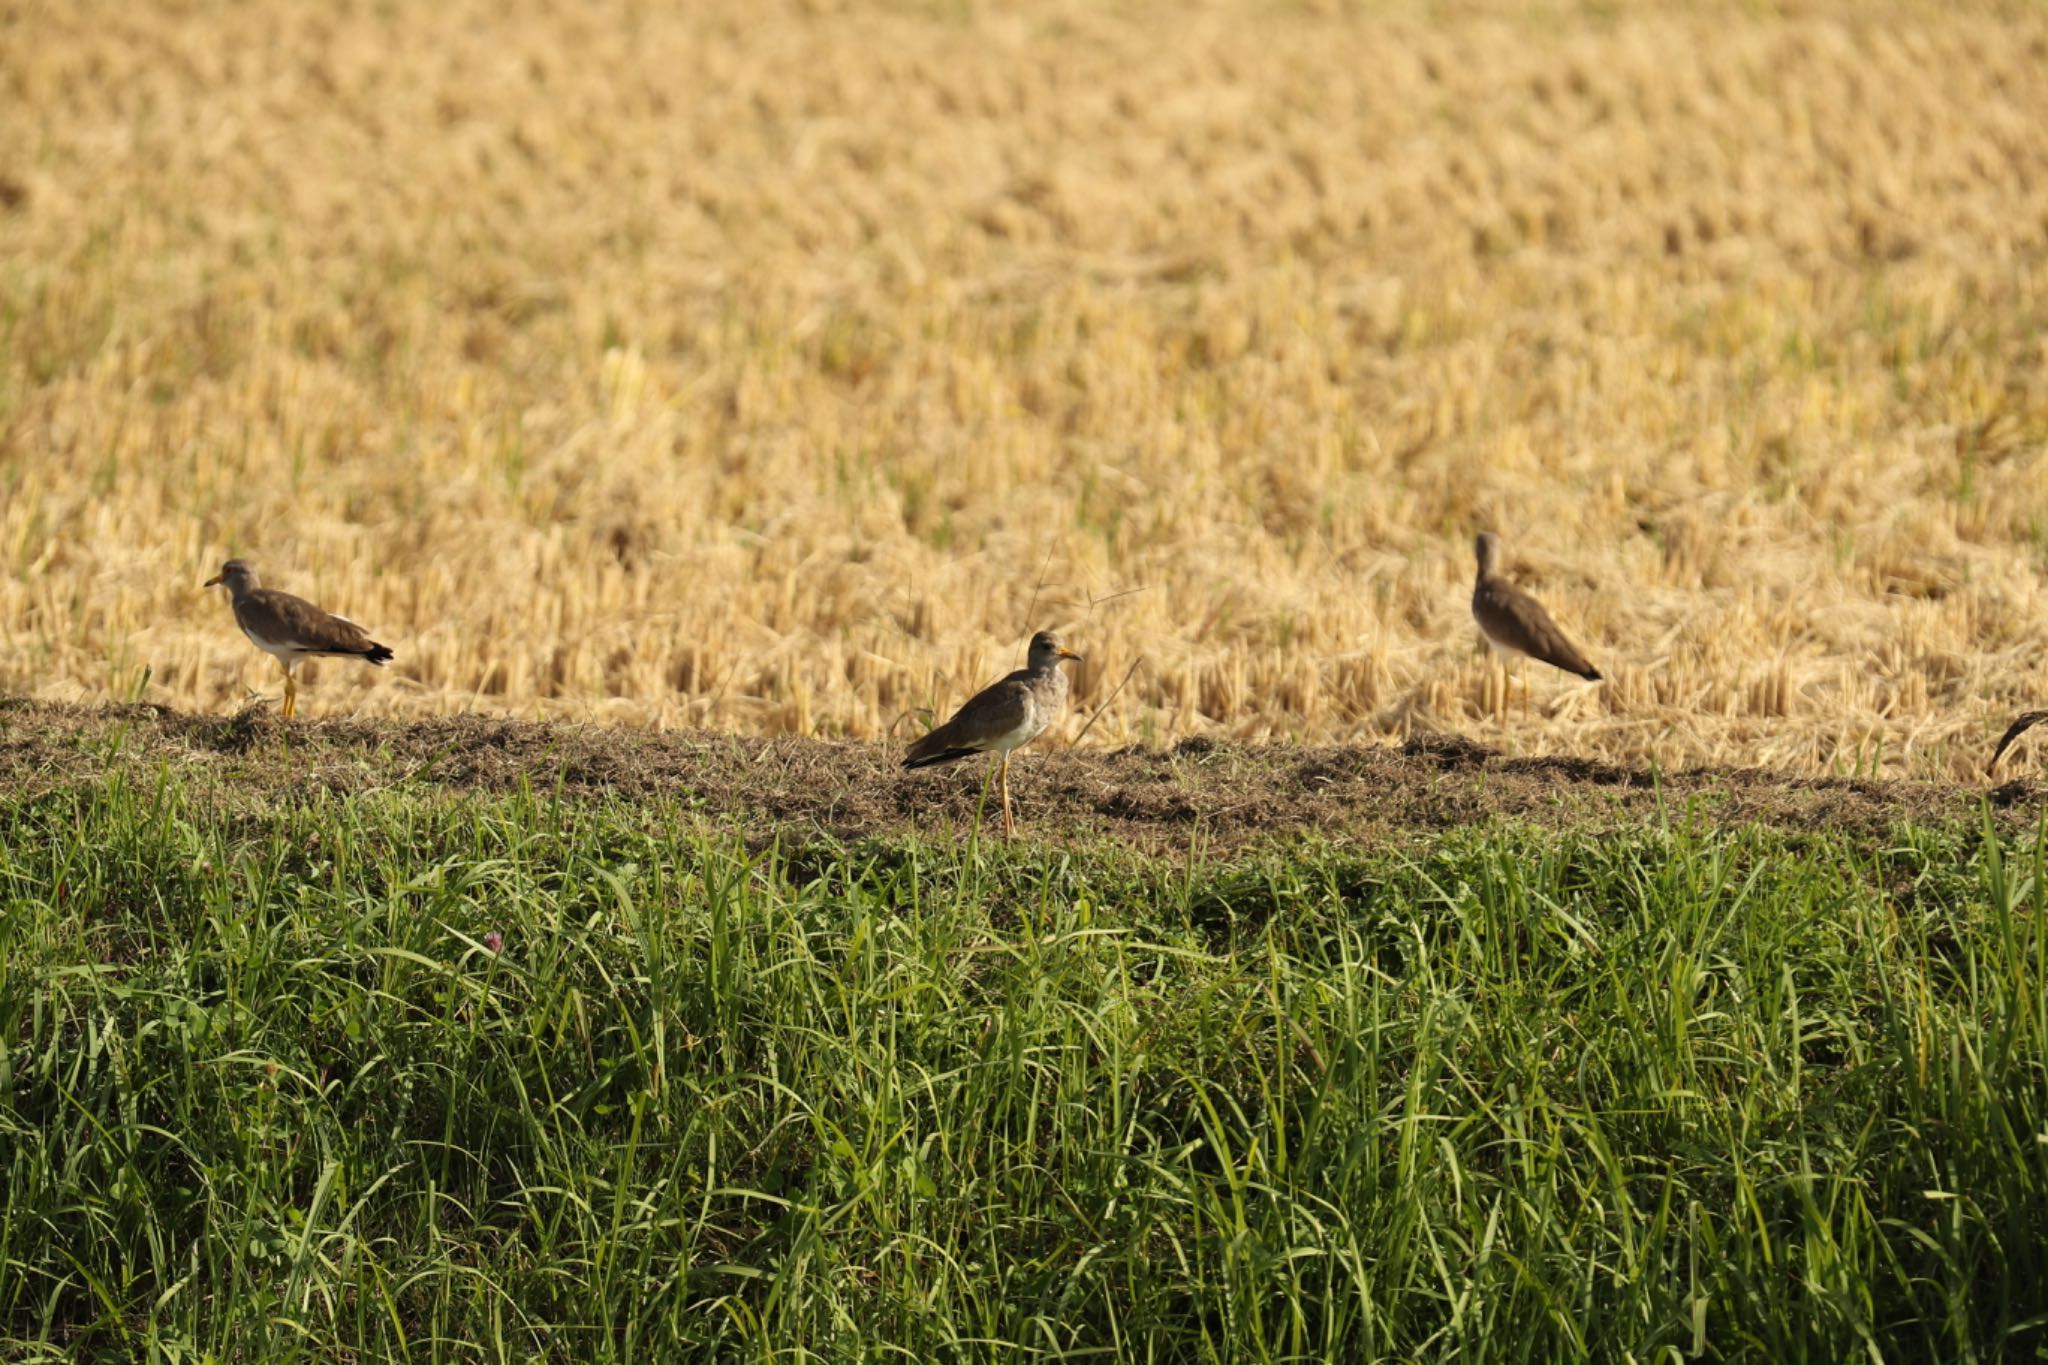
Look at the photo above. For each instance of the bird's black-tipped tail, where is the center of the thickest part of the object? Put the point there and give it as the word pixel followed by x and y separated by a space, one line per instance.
pixel 379 655
pixel 917 760
pixel 1590 673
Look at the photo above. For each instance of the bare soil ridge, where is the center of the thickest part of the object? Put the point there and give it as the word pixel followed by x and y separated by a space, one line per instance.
pixel 1218 795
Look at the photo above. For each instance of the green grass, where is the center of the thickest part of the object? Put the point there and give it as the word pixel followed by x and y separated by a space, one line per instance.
pixel 265 1094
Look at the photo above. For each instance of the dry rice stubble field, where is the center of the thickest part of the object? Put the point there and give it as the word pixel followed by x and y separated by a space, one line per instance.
pixel 777 369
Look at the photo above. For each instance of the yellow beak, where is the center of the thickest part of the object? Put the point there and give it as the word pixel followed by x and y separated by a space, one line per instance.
pixel 1066 653
pixel 211 581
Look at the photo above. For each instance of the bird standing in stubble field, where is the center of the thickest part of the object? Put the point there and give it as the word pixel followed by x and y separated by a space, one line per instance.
pixel 1516 624
pixel 290 628
pixel 1002 716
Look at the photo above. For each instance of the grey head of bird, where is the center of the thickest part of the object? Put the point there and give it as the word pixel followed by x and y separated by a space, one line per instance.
pixel 236 576
pixel 1047 651
pixel 1488 549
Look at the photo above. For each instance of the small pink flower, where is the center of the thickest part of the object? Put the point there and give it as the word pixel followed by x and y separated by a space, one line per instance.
pixel 494 940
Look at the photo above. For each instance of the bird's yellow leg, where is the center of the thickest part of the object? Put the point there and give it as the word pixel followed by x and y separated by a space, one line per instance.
pixel 1009 827
pixel 291 691
pixel 1525 690
pixel 988 777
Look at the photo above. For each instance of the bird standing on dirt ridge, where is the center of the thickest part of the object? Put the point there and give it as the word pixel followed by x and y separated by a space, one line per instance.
pixel 1516 624
pixel 1002 716
pixel 289 628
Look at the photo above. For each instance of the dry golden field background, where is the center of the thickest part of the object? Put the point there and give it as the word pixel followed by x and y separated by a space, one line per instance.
pixel 779 368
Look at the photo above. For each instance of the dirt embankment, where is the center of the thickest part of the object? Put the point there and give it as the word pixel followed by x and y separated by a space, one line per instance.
pixel 1219 795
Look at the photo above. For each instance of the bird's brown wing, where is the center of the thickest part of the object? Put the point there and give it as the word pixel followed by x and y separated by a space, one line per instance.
pixel 2026 721
pixel 1517 620
pixel 280 619
pixel 986 717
